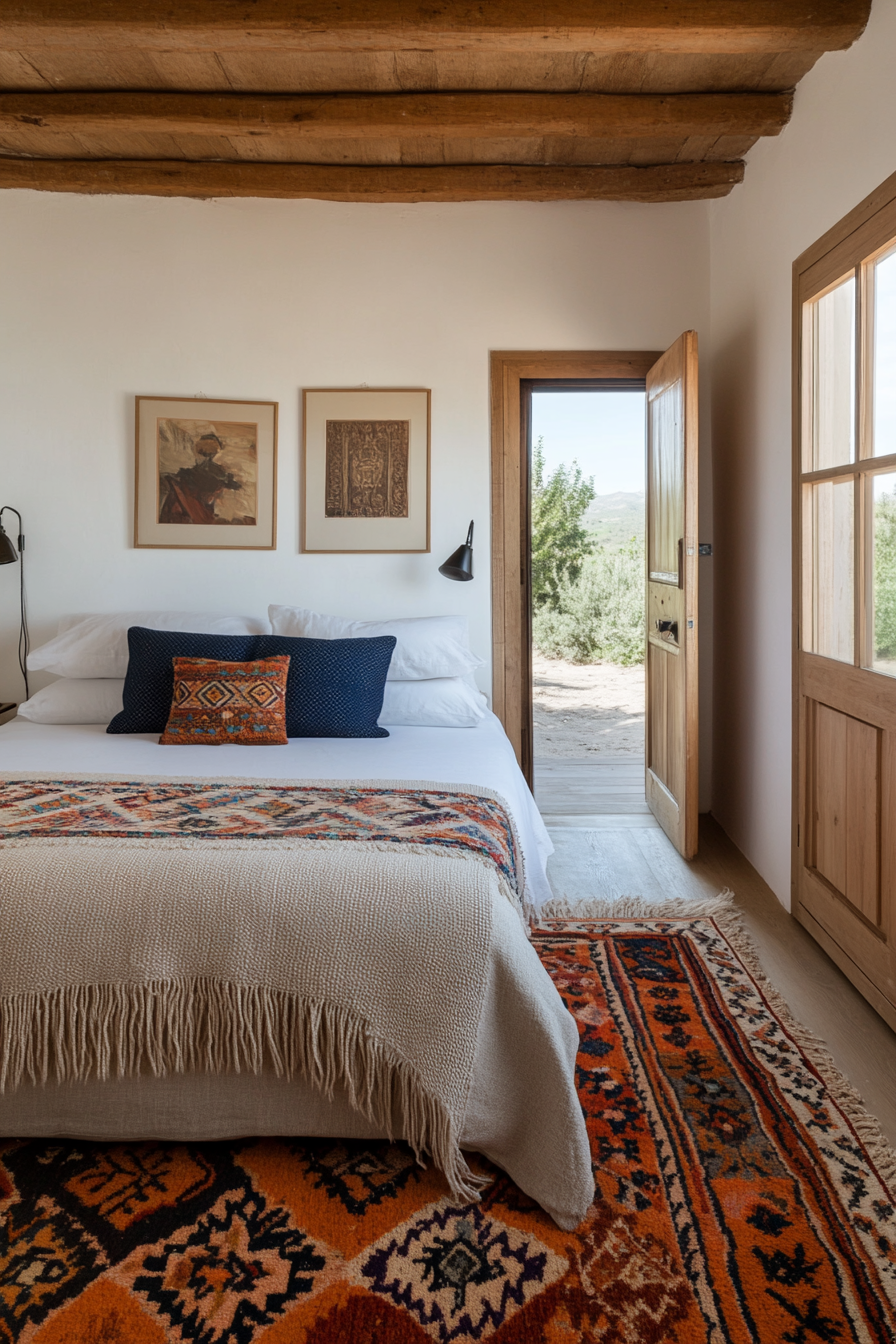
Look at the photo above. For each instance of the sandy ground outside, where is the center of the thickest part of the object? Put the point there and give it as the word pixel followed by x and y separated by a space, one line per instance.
pixel 589 708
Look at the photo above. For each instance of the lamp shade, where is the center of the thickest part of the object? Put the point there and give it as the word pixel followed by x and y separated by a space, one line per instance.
pixel 459 565
pixel 8 553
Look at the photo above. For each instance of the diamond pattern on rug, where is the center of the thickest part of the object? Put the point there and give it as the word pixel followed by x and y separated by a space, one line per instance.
pixel 124 1195
pixel 460 1273
pixel 736 1202
pixel 360 1175
pixel 239 1267
pixel 45 1259
pixel 128 1183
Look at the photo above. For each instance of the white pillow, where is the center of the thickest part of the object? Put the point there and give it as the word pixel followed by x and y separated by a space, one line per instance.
pixel 97 646
pixel 96 700
pixel 428 646
pixel 436 702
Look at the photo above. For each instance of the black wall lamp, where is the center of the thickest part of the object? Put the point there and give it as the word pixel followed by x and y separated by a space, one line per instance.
pixel 459 565
pixel 8 556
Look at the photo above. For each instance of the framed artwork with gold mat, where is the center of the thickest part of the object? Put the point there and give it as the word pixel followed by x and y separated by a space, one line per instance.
pixel 206 473
pixel 365 469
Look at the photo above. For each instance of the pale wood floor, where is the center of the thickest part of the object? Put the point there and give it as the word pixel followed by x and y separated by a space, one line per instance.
pixel 607 859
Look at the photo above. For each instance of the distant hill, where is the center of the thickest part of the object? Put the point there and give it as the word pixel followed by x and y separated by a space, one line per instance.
pixel 614 519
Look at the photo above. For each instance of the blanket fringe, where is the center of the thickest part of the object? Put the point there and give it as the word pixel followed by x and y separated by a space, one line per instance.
pixel 730 921
pixel 163 1027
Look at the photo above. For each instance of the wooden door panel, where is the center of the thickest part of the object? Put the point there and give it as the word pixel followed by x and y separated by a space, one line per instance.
pixel 665 465
pixel 846 839
pixel 845 793
pixel 829 793
pixel 665 757
pixel 865 946
pixel 672 737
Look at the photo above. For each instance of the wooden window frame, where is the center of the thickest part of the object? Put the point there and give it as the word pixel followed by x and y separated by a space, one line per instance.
pixel 850 247
pixel 511 371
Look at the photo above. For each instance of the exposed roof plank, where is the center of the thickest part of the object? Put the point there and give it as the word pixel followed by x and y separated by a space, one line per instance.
pixel 303 118
pixel 570 151
pixel 674 182
pixel 394 25
pixel 290 71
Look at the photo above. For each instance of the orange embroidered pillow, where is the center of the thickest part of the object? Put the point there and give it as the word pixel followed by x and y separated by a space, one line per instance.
pixel 217 702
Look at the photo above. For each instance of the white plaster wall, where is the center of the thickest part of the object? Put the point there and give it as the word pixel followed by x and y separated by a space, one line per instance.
pixel 840 144
pixel 105 297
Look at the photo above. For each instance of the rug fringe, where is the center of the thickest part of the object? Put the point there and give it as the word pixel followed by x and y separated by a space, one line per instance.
pixel 200 1024
pixel 637 907
pixel 731 922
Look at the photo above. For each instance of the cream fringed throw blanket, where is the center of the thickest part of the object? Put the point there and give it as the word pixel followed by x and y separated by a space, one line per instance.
pixel 339 932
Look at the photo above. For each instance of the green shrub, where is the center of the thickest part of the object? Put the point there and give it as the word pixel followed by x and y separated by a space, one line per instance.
pixel 559 541
pixel 885 576
pixel 600 614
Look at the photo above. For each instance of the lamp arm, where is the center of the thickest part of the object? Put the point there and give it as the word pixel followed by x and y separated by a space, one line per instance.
pixel 24 642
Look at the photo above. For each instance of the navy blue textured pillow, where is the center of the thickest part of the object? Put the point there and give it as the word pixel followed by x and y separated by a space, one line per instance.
pixel 335 686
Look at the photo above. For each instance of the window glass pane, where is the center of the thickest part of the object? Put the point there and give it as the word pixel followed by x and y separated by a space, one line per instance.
pixel 828 520
pixel 830 353
pixel 885 355
pixel 884 573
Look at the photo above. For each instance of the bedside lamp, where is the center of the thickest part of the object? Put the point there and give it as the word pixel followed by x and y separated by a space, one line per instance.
pixel 459 565
pixel 8 556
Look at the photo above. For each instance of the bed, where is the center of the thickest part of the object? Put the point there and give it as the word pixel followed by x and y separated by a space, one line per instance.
pixel 520 1107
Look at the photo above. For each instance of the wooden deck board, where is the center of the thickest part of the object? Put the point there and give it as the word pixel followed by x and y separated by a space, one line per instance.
pixel 587 787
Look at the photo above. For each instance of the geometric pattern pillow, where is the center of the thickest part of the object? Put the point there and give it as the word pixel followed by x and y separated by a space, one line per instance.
pixel 216 702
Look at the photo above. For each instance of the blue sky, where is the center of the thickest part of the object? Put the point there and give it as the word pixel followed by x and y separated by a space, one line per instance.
pixel 603 431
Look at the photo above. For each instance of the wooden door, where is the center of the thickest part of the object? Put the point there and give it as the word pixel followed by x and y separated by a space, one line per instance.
pixel 845 598
pixel 672 727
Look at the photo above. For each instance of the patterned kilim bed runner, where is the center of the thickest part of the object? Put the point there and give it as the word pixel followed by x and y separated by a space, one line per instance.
pixel 742 1197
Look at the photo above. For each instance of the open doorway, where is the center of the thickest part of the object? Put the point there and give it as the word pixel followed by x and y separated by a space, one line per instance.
pixel 587 509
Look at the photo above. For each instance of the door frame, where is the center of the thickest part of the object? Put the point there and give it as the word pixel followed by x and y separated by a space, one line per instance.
pixel 510 537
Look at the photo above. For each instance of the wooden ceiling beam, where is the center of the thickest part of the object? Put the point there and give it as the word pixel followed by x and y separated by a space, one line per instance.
pixel 433 25
pixel 137 177
pixel 381 116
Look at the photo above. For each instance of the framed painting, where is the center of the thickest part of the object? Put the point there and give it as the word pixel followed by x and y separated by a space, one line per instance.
pixel 365 469
pixel 206 474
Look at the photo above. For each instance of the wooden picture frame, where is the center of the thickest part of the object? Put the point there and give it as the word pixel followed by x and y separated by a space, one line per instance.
pixel 366 470
pixel 205 474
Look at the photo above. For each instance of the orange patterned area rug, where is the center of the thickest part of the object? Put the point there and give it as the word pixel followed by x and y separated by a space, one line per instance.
pixel 742 1197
